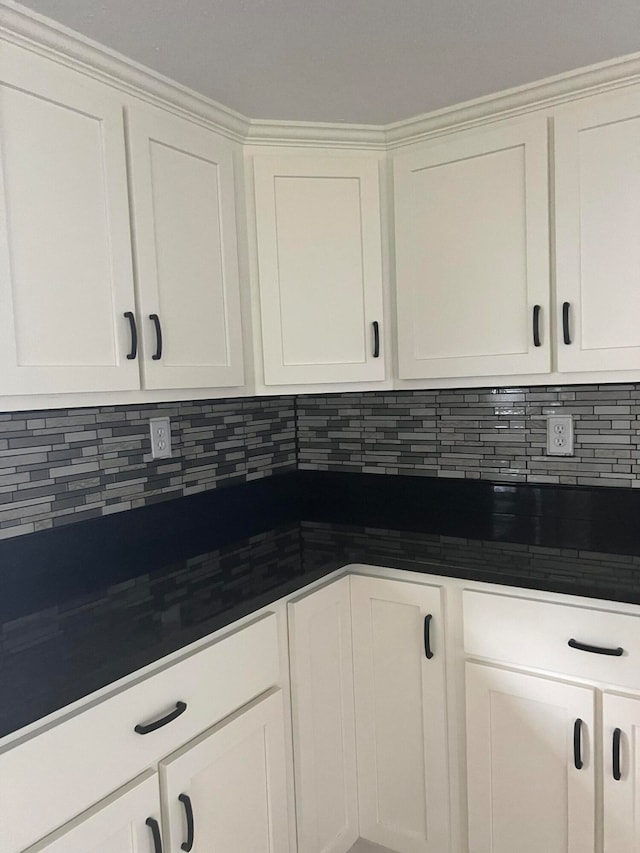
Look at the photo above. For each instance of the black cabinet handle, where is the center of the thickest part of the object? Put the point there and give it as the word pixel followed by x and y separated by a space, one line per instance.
pixel 565 322
pixel 153 825
pixel 185 799
pixel 145 729
pixel 536 325
pixel 617 775
pixel 577 744
pixel 427 636
pixel 156 322
pixel 376 339
pixel 596 650
pixel 134 335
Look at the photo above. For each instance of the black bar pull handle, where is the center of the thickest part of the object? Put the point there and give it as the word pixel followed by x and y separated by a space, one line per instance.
pixel 577 744
pixel 427 636
pixel 185 799
pixel 566 335
pixel 536 325
pixel 130 316
pixel 617 774
pixel 376 339
pixel 156 322
pixel 147 728
pixel 596 650
pixel 154 826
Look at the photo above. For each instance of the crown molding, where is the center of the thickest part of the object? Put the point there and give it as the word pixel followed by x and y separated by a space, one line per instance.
pixel 316 134
pixel 542 94
pixel 23 26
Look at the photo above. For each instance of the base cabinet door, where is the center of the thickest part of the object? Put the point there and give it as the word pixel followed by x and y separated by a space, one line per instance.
pixel 472 254
pixel 530 763
pixel 401 731
pixel 324 736
pixel 226 790
pixel 621 765
pixel 126 822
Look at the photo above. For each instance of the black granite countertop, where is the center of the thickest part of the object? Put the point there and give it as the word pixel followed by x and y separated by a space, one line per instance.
pixel 83 606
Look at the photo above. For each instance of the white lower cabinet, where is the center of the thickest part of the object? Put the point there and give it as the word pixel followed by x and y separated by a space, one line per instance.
pixel 226 790
pixel 530 763
pixel 126 822
pixel 401 731
pixel 621 768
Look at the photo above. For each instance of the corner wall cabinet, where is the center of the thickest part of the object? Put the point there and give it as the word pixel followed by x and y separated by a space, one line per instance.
pixel 472 253
pixel 320 267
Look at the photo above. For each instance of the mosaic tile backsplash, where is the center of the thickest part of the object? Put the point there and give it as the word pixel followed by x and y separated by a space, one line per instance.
pixel 61 466
pixel 494 434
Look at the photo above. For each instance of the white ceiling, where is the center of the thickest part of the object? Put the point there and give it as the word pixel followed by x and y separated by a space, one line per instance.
pixel 370 61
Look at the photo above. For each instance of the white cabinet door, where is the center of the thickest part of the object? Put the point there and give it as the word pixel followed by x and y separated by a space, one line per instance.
pixel 66 277
pixel 126 822
pixel 472 255
pixel 323 719
pixel 597 193
pixel 230 784
pixel 401 730
pixel 621 736
pixel 320 268
pixel 182 191
pixel 525 791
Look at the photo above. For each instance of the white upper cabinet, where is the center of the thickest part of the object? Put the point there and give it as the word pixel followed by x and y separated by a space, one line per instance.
pixel 597 188
pixel 472 256
pixel 320 267
pixel 182 191
pixel 66 278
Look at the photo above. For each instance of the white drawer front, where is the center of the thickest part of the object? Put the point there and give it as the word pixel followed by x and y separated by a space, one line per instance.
pixel 537 633
pixel 55 775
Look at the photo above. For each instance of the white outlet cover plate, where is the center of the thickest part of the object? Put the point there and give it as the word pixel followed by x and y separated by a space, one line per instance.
pixel 160 431
pixel 560 435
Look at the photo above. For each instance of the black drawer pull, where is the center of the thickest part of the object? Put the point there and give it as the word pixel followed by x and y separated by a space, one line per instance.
pixel 536 325
pixel 596 650
pixel 617 775
pixel 577 744
pixel 427 636
pixel 130 316
pixel 153 825
pixel 147 728
pixel 156 322
pixel 566 335
pixel 376 339
pixel 185 799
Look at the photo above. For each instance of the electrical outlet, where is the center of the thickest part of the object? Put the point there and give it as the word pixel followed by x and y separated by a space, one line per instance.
pixel 560 435
pixel 160 429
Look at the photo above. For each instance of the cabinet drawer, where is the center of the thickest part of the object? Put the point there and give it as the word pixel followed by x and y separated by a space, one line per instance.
pixel 537 633
pixel 98 750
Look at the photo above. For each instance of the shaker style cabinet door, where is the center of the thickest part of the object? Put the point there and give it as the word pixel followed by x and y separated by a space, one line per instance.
pixel 530 763
pixel 621 738
pixel 320 268
pixel 401 730
pixel 182 192
pixel 324 737
pixel 226 790
pixel 126 822
pixel 66 277
pixel 472 253
pixel 597 196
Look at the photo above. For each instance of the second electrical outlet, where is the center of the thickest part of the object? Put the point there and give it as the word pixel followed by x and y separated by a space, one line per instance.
pixel 160 430
pixel 560 435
